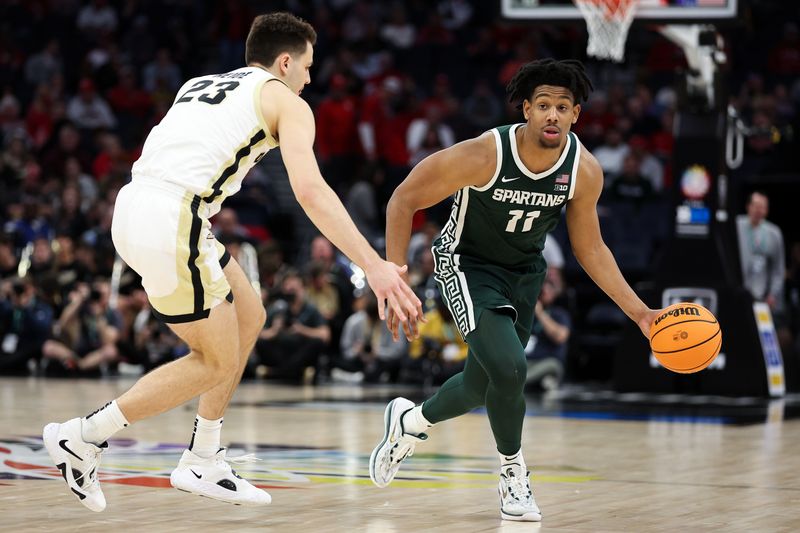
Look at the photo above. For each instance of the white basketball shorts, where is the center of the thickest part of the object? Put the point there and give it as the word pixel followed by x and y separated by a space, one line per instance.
pixel 159 229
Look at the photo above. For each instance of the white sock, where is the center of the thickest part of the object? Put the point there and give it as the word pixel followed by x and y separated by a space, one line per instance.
pixel 100 425
pixel 414 422
pixel 514 459
pixel 205 439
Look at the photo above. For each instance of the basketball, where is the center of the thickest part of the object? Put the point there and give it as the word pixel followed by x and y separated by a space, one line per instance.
pixel 685 337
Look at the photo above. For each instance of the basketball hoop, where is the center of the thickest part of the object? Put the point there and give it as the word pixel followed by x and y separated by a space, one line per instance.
pixel 608 22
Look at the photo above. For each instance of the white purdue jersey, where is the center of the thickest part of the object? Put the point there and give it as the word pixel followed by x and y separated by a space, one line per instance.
pixel 211 136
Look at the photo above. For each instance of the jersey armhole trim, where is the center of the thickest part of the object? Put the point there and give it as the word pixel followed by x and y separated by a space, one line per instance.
pixel 272 142
pixel 499 147
pixel 575 165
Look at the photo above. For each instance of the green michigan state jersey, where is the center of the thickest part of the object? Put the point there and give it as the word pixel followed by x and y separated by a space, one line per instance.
pixel 506 221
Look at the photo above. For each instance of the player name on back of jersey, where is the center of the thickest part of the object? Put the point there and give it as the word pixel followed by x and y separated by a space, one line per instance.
pixel 233 74
pixel 538 199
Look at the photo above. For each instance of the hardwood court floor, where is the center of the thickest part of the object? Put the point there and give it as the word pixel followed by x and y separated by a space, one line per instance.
pixel 589 475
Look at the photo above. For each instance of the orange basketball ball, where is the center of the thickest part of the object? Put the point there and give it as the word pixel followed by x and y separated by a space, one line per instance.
pixel 685 337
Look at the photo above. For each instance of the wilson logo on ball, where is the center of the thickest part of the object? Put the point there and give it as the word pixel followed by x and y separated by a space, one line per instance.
pixel 678 311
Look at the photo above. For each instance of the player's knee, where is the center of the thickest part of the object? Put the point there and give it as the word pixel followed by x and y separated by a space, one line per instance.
pixel 257 324
pixel 509 378
pixel 222 364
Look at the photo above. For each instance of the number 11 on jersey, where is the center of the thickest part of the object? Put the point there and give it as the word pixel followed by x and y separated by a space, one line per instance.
pixel 516 215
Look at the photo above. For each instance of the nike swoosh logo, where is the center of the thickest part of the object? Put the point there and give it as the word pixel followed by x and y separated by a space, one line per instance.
pixel 198 476
pixel 506 180
pixel 63 444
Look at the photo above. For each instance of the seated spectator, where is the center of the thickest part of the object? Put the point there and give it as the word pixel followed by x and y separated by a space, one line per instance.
pixel 69 217
pixel 650 167
pixel 547 348
pixel 43 66
pixel 295 333
pixel 368 352
pixel 162 74
pixel 41 260
pixel 360 203
pixel 611 153
pixel 338 268
pixel 86 333
pixel 144 340
pixel 388 356
pixel 355 344
pixel 320 292
pixel 88 110
pixel 439 351
pixel 630 185
pixel 428 135
pixel 482 108
pixel 24 324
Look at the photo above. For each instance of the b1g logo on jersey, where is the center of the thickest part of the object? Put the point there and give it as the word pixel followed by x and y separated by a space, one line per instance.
pixel 561 188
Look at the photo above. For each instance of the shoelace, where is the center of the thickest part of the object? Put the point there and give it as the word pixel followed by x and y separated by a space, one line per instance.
pixel 402 449
pixel 519 489
pixel 90 472
pixel 243 459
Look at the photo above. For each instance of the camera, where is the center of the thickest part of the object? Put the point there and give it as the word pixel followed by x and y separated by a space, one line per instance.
pixel 281 309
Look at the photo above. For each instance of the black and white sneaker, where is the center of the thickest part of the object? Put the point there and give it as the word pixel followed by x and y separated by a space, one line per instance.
pixel 213 477
pixel 77 460
pixel 516 497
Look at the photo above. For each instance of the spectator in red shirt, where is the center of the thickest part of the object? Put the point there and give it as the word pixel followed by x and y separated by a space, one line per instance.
pixel 385 117
pixel 111 159
pixel 131 104
pixel 40 118
pixel 231 24
pixel 337 138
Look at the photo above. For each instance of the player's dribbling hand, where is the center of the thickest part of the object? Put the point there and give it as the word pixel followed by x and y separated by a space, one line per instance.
pixel 386 280
pixel 646 321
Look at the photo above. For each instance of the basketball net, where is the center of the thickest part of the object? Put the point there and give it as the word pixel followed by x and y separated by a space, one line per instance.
pixel 608 22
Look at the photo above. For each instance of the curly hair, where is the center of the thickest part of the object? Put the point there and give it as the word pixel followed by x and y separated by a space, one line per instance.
pixel 275 33
pixel 567 73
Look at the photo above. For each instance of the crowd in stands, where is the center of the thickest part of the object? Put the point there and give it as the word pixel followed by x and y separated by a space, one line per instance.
pixel 83 82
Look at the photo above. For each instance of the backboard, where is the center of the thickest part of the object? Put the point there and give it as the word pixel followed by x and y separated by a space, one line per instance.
pixel 685 11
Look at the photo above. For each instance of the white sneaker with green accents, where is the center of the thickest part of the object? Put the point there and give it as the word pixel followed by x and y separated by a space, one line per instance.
pixel 395 445
pixel 516 497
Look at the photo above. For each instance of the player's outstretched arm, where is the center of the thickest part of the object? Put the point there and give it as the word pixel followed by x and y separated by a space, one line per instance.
pixel 590 250
pixel 295 128
pixel 435 178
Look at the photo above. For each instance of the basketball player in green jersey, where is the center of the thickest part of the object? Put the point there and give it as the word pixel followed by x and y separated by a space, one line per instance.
pixel 510 185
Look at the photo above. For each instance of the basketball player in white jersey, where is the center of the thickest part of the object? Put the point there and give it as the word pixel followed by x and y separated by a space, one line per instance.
pixel 218 127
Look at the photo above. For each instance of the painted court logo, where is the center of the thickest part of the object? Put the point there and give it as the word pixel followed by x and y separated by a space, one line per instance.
pixel 678 311
pixel 149 464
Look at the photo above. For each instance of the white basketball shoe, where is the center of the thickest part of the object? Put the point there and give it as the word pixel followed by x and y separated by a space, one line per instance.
pixel 214 478
pixel 516 497
pixel 77 460
pixel 395 446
